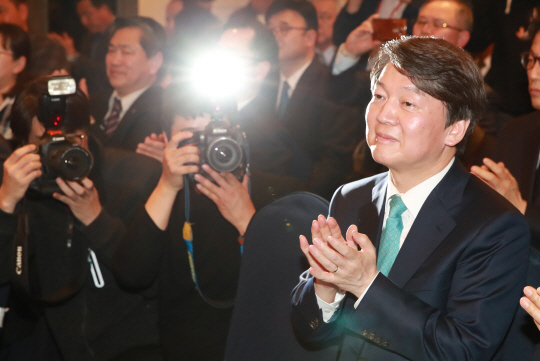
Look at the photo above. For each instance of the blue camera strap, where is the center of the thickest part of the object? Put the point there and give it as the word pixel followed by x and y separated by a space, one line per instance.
pixel 187 233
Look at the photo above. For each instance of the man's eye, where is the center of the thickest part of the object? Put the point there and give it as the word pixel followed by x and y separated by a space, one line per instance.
pixel 408 104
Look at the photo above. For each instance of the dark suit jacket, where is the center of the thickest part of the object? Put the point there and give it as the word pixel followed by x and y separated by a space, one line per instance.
pixel 518 146
pixel 345 22
pixel 493 26
pixel 326 131
pixel 141 119
pixel 453 289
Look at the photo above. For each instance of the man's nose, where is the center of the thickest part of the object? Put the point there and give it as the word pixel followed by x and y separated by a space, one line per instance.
pixel 387 113
pixel 534 73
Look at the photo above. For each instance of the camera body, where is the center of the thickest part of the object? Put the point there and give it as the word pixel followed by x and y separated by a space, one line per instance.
pixel 223 148
pixel 61 155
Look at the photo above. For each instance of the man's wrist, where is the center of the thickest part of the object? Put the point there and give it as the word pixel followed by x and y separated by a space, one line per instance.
pixel 6 204
pixel 347 53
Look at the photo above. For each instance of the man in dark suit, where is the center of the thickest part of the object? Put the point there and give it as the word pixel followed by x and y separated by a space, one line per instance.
pixel 133 63
pixel 449 255
pixel 325 132
pixel 514 173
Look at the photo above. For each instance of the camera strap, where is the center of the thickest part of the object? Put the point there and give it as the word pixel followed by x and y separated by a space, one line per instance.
pixel 188 239
pixel 20 276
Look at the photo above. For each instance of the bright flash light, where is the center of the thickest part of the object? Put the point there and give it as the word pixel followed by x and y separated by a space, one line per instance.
pixel 220 74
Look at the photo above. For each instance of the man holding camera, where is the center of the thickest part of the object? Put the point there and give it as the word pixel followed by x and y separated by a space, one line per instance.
pixel 61 266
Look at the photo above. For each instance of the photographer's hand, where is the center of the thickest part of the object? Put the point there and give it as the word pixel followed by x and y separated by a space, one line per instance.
pixel 498 177
pixel 360 40
pixel 20 169
pixel 153 146
pixel 160 203
pixel 230 196
pixel 82 198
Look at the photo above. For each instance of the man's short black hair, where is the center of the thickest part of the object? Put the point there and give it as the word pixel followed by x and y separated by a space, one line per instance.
pixel 153 37
pixel 302 7
pixel 440 69
pixel 26 108
pixel 111 4
pixel 263 45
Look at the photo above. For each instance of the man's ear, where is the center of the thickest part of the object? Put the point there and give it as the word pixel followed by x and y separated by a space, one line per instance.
pixel 463 39
pixel 155 62
pixel 456 132
pixel 311 35
pixel 19 65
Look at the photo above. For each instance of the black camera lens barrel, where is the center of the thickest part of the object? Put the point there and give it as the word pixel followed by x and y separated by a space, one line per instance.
pixel 224 155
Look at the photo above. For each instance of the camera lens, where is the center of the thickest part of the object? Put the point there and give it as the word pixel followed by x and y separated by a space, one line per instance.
pixel 71 163
pixel 224 155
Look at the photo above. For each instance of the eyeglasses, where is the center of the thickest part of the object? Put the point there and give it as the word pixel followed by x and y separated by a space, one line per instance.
pixel 283 29
pixel 436 23
pixel 528 60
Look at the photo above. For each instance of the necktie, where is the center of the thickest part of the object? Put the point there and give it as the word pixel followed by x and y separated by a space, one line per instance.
pixel 284 100
pixel 112 121
pixel 389 247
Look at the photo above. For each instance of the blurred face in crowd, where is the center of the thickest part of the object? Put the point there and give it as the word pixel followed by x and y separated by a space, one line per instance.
pixel 37 131
pixel 534 73
pixel 295 42
pixel 180 123
pixel 12 14
pixel 95 20
pixel 128 67
pixel 173 8
pixel 434 15
pixel 9 68
pixel 406 127
pixel 238 42
pixel 326 14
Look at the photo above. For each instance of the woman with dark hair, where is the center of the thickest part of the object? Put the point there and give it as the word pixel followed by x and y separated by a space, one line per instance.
pixel 14 55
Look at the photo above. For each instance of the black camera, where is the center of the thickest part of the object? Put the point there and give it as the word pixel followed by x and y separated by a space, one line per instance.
pixel 61 155
pixel 223 148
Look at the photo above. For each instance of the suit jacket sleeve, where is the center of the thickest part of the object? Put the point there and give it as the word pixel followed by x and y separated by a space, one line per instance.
pixel 137 259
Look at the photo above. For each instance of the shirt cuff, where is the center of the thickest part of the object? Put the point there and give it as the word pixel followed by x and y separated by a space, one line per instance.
pixel 363 294
pixel 343 61
pixel 328 309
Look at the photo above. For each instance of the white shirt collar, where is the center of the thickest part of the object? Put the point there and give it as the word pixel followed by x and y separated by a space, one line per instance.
pixel 127 100
pixel 294 78
pixel 415 197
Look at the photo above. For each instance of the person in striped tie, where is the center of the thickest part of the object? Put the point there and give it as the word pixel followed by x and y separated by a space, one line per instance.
pixel 433 260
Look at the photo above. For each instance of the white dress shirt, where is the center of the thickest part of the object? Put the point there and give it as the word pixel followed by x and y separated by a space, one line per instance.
pixel 291 80
pixel 413 199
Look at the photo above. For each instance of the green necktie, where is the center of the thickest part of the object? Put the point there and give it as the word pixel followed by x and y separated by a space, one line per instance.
pixel 391 234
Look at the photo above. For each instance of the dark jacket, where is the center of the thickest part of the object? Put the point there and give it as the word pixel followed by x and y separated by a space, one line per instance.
pixel 140 120
pixel 87 322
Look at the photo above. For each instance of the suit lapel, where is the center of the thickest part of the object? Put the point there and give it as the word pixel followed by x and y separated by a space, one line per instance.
pixel 378 200
pixel 432 225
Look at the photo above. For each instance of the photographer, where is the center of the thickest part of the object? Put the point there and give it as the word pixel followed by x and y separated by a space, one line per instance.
pixel 194 313
pixel 64 243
